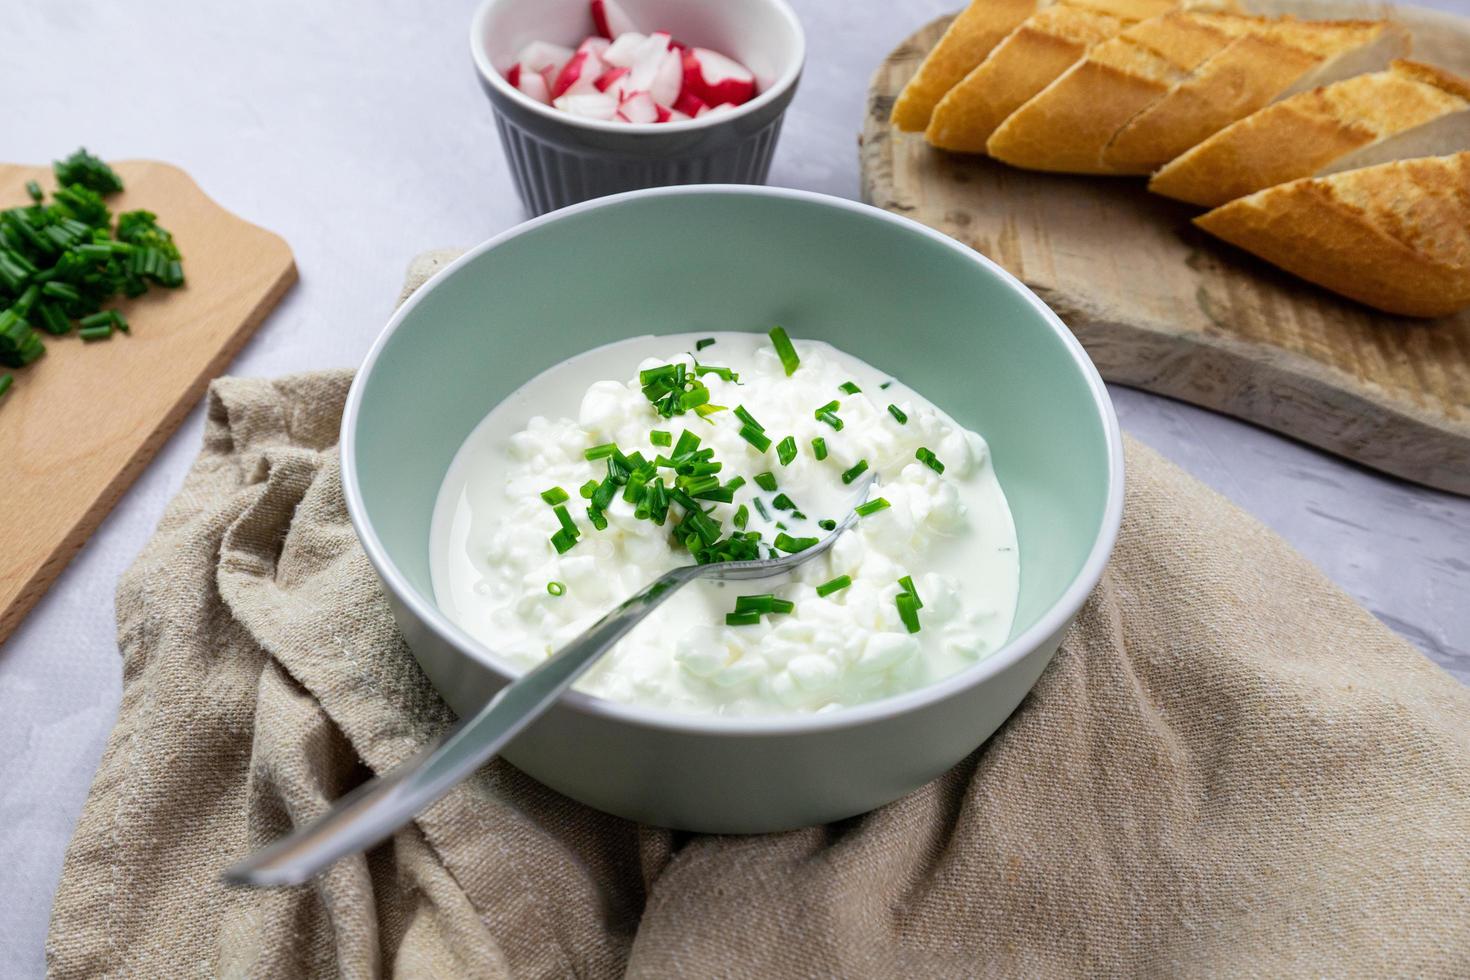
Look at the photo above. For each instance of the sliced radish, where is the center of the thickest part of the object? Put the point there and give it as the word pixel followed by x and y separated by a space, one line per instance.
pixel 648 60
pixel 539 56
pixel 622 51
pixel 676 116
pixel 597 45
pixel 513 75
pixel 717 79
pixel 689 104
pixel 611 19
pixel 609 78
pixel 668 80
pixel 639 108
pixel 594 106
pixel 579 76
pixel 664 113
pixel 534 84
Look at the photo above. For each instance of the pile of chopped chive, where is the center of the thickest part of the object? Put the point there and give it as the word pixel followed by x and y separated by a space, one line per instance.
pixel 60 262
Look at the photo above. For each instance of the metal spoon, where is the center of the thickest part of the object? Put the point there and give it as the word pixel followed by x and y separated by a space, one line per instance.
pixel 374 810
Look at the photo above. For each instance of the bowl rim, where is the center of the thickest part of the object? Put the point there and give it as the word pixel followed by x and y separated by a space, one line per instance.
pixel 1061 611
pixel 491 76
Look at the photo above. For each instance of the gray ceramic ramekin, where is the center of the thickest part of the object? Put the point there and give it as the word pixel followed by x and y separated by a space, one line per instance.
pixel 559 159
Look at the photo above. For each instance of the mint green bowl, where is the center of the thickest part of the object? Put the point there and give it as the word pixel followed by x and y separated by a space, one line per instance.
pixel 936 314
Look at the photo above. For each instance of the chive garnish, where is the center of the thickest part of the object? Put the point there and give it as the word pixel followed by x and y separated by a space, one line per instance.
pixel 871 507
pixel 784 350
pixel 588 489
pixel 766 481
pixel 735 483
pixel 785 542
pixel 556 588
pixel 90 334
pixel 928 458
pixel 723 373
pixel 702 344
pixel 786 450
pixel 741 518
pixel 819 448
pixel 827 524
pixel 598 519
pixel 856 471
pixel 556 495
pixel 744 416
pixel 831 406
pixel 908 610
pixel 688 443
pixel 885 385
pixel 563 542
pixel 34 190
pixel 755 437
pixel 760 509
pixel 567 524
pixel 783 502
pixel 742 619
pixel 899 414
pixel 908 586
pixel 836 585
pixel 659 437
pixel 754 603
pixel 6 380
pixel 830 419
pixel 849 387
pixel 601 452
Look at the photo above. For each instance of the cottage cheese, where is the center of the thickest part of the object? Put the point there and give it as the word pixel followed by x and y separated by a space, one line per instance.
pixel 491 558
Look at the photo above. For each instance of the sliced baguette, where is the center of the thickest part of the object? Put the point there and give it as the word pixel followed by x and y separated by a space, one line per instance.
pixel 1411 110
pixel 1066 125
pixel 1044 46
pixel 1277 61
pixel 1395 236
pixel 970 37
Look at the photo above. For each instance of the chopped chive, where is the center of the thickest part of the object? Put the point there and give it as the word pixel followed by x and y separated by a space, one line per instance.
pixel 885 385
pixel 34 190
pixel 741 518
pixel 556 495
pixel 556 588
pixel 781 526
pixel 742 619
pixel 831 406
pixel 849 387
pixel 836 585
pixel 827 524
pixel 90 334
pixel 858 469
pixel 786 450
pixel 101 319
pixel 787 543
pixel 766 481
pixel 754 603
pixel 735 483
pixel 567 524
pixel 908 610
pixel 830 419
pixel 603 495
pixel 761 509
pixel 783 502
pixel 723 373
pixel 563 542
pixel 661 438
pixel 797 515
pixel 756 438
pixel 601 452
pixel 598 518
pixel 782 606
pixel 6 380
pixel 588 489
pixel 908 586
pixel 62 291
pixel 784 350
pixel 705 411
pixel 657 375
pixel 871 507
pixel 702 344
pixel 819 448
pixel 744 416
pixel 688 443
pixel 899 414
pixel 928 458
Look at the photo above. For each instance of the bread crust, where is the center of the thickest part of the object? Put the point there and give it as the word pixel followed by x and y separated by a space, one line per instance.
pixel 967 42
pixel 1395 237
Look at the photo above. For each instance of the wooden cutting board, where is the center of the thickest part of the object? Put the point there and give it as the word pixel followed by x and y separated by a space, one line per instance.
pixel 79 425
pixel 1162 306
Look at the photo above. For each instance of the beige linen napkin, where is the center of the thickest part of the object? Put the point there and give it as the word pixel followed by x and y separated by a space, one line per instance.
pixel 1229 768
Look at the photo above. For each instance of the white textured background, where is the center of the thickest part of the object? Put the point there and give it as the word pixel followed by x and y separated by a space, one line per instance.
pixel 358 132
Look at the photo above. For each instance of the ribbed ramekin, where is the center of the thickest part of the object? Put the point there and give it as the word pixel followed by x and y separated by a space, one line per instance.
pixel 559 159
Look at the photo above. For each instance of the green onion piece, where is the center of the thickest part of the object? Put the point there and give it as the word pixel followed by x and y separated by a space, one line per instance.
pixel 786 450
pixel 567 524
pixel 819 448
pixel 741 518
pixel 787 543
pixel 556 588
pixel 119 321
pixel 694 397
pixel 827 524
pixel 705 411
pixel 661 438
pixel 702 344
pixel 601 452
pixel 784 350
pixel 656 375
pixel 858 469
pixel 831 406
pixel 744 416
pixel 723 373
pixel 756 438
pixel 849 387
pixel 783 502
pixel 885 385
pixel 754 603
pixel 62 291
pixel 103 319
pixel 871 507
pixel 598 518
pixel 688 443
pixel 830 419
pixel 928 458
pixel 780 526
pixel 563 542
pixel 34 190
pixel 908 610
pixel 761 509
pixel 899 414
pixel 908 586
pixel 556 495
pixel 798 515
pixel 6 380
pixel 836 585
pixel 735 483
pixel 742 619
pixel 766 481
pixel 782 606
pixel 90 334
pixel 588 489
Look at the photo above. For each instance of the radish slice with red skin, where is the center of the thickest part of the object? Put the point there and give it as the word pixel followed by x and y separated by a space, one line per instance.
pixel 717 79
pixel 597 45
pixel 610 19
pixel 639 108
pixel 689 104
pixel 539 56
pixel 668 81
pixel 513 75
pixel 676 116
pixel 579 76
pixel 664 113
pixel 534 84
pixel 609 77
pixel 624 50
pixel 594 106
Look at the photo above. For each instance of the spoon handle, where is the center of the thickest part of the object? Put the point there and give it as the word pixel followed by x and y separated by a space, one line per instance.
pixel 374 810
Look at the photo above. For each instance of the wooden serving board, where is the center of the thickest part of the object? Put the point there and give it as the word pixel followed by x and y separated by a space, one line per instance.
pixel 79 425
pixel 1164 307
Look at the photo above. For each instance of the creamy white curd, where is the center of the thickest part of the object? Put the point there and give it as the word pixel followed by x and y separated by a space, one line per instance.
pixel 492 558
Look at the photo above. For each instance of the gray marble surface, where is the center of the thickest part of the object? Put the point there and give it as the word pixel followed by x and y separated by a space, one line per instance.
pixel 357 131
